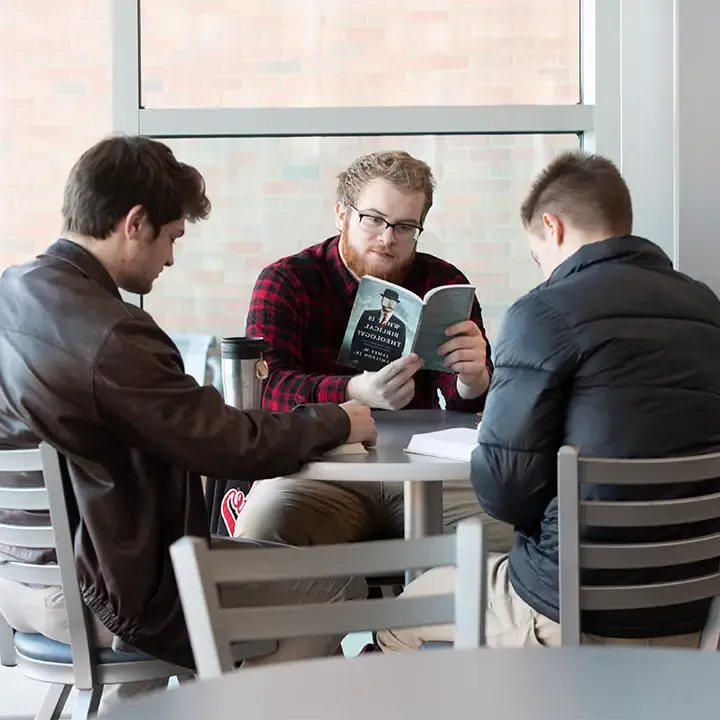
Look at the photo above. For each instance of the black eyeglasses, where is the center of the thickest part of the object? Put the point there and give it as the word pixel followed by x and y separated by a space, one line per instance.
pixel 404 232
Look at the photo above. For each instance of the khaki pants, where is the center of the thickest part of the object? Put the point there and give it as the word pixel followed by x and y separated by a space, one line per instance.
pixel 309 512
pixel 510 621
pixel 42 610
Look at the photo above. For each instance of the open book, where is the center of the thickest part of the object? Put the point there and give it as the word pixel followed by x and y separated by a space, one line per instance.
pixel 387 321
pixel 451 444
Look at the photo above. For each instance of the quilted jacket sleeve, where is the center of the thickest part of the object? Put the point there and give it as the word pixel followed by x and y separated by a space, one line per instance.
pixel 514 464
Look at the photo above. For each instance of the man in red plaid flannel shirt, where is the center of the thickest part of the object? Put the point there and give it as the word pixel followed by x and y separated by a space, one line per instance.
pixel 301 306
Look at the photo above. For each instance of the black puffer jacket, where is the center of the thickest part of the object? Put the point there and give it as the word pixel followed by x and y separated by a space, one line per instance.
pixel 618 355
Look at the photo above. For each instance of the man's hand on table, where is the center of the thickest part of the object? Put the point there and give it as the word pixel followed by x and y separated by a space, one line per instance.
pixel 362 424
pixel 465 354
pixel 391 388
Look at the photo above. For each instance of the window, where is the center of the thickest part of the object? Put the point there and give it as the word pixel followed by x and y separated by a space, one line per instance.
pixel 274 196
pixel 270 101
pixel 296 53
pixel 55 101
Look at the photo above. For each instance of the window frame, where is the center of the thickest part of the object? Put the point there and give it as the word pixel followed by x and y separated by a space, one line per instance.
pixel 615 40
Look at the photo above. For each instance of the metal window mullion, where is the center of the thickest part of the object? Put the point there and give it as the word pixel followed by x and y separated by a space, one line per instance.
pixel 126 78
pixel 600 82
pixel 371 121
pixel 125 65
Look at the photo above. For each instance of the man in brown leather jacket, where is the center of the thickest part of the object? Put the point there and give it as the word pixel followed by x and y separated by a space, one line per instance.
pixel 100 381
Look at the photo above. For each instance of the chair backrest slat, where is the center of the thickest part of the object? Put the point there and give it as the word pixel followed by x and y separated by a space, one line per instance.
pixel 199 572
pixel 632 597
pixel 27 536
pixel 574 513
pixel 652 471
pixel 20 461
pixel 30 574
pixel 21 498
pixel 328 561
pixel 614 557
pixel 24 498
pixel 258 623
pixel 650 514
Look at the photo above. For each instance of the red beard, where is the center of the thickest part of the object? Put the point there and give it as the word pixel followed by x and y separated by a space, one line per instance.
pixel 357 264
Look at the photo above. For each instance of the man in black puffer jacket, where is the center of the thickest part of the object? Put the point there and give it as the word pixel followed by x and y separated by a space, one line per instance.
pixel 615 353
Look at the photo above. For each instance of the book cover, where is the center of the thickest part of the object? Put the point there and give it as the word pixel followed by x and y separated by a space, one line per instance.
pixel 388 321
pixel 442 307
pixel 382 326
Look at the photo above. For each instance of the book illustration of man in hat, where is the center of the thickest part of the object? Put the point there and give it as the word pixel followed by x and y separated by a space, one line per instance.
pixel 379 336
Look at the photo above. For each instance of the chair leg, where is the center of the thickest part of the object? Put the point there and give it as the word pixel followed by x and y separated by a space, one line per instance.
pixel 54 702
pixel 87 703
pixel 710 638
pixel 7 644
pixel 391 591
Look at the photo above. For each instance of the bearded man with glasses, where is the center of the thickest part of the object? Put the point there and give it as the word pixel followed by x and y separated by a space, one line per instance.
pixel 301 305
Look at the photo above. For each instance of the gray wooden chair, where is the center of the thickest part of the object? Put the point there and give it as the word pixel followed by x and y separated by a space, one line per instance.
pixel 79 664
pixel 213 628
pixel 7 643
pixel 199 357
pixel 572 470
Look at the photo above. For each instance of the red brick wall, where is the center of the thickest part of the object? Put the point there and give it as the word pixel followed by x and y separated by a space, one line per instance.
pixel 274 196
pixel 289 53
pixel 55 100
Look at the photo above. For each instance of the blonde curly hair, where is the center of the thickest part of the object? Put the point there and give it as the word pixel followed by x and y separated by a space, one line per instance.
pixel 399 168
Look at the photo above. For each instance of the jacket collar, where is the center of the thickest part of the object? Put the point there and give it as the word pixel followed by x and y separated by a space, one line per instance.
pixel 85 261
pixel 628 249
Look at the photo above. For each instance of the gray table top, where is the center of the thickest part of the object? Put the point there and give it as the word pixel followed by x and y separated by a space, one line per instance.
pixel 532 683
pixel 394 432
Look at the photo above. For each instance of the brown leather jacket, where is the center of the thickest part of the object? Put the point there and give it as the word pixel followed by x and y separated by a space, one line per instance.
pixel 99 380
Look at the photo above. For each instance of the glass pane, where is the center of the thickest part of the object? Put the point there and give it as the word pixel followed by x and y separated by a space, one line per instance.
pixel 275 196
pixel 55 101
pixel 297 53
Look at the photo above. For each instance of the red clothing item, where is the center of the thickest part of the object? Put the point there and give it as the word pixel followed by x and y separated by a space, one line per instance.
pixel 301 306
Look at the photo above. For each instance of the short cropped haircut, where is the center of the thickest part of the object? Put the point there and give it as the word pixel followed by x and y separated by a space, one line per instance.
pixel 586 190
pixel 123 171
pixel 400 169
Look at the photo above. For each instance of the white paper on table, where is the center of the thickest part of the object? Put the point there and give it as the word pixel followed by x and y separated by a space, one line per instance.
pixel 451 444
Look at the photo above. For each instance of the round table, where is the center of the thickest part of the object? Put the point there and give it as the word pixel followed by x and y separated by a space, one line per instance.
pixel 388 461
pixel 523 684
pixel 421 475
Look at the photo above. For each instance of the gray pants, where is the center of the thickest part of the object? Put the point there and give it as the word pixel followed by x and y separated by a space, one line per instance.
pixel 42 610
pixel 308 512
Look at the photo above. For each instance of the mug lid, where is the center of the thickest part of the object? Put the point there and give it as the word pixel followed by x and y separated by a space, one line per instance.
pixel 242 348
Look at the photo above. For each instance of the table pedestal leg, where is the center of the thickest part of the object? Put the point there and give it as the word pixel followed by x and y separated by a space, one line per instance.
pixel 423 513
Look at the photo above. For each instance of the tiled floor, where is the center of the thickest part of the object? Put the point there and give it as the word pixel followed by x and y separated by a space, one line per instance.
pixel 20 697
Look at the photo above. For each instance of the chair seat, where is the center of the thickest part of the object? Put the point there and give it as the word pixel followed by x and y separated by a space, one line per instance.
pixel 38 647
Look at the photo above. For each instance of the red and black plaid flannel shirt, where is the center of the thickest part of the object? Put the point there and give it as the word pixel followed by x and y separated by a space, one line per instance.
pixel 301 306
